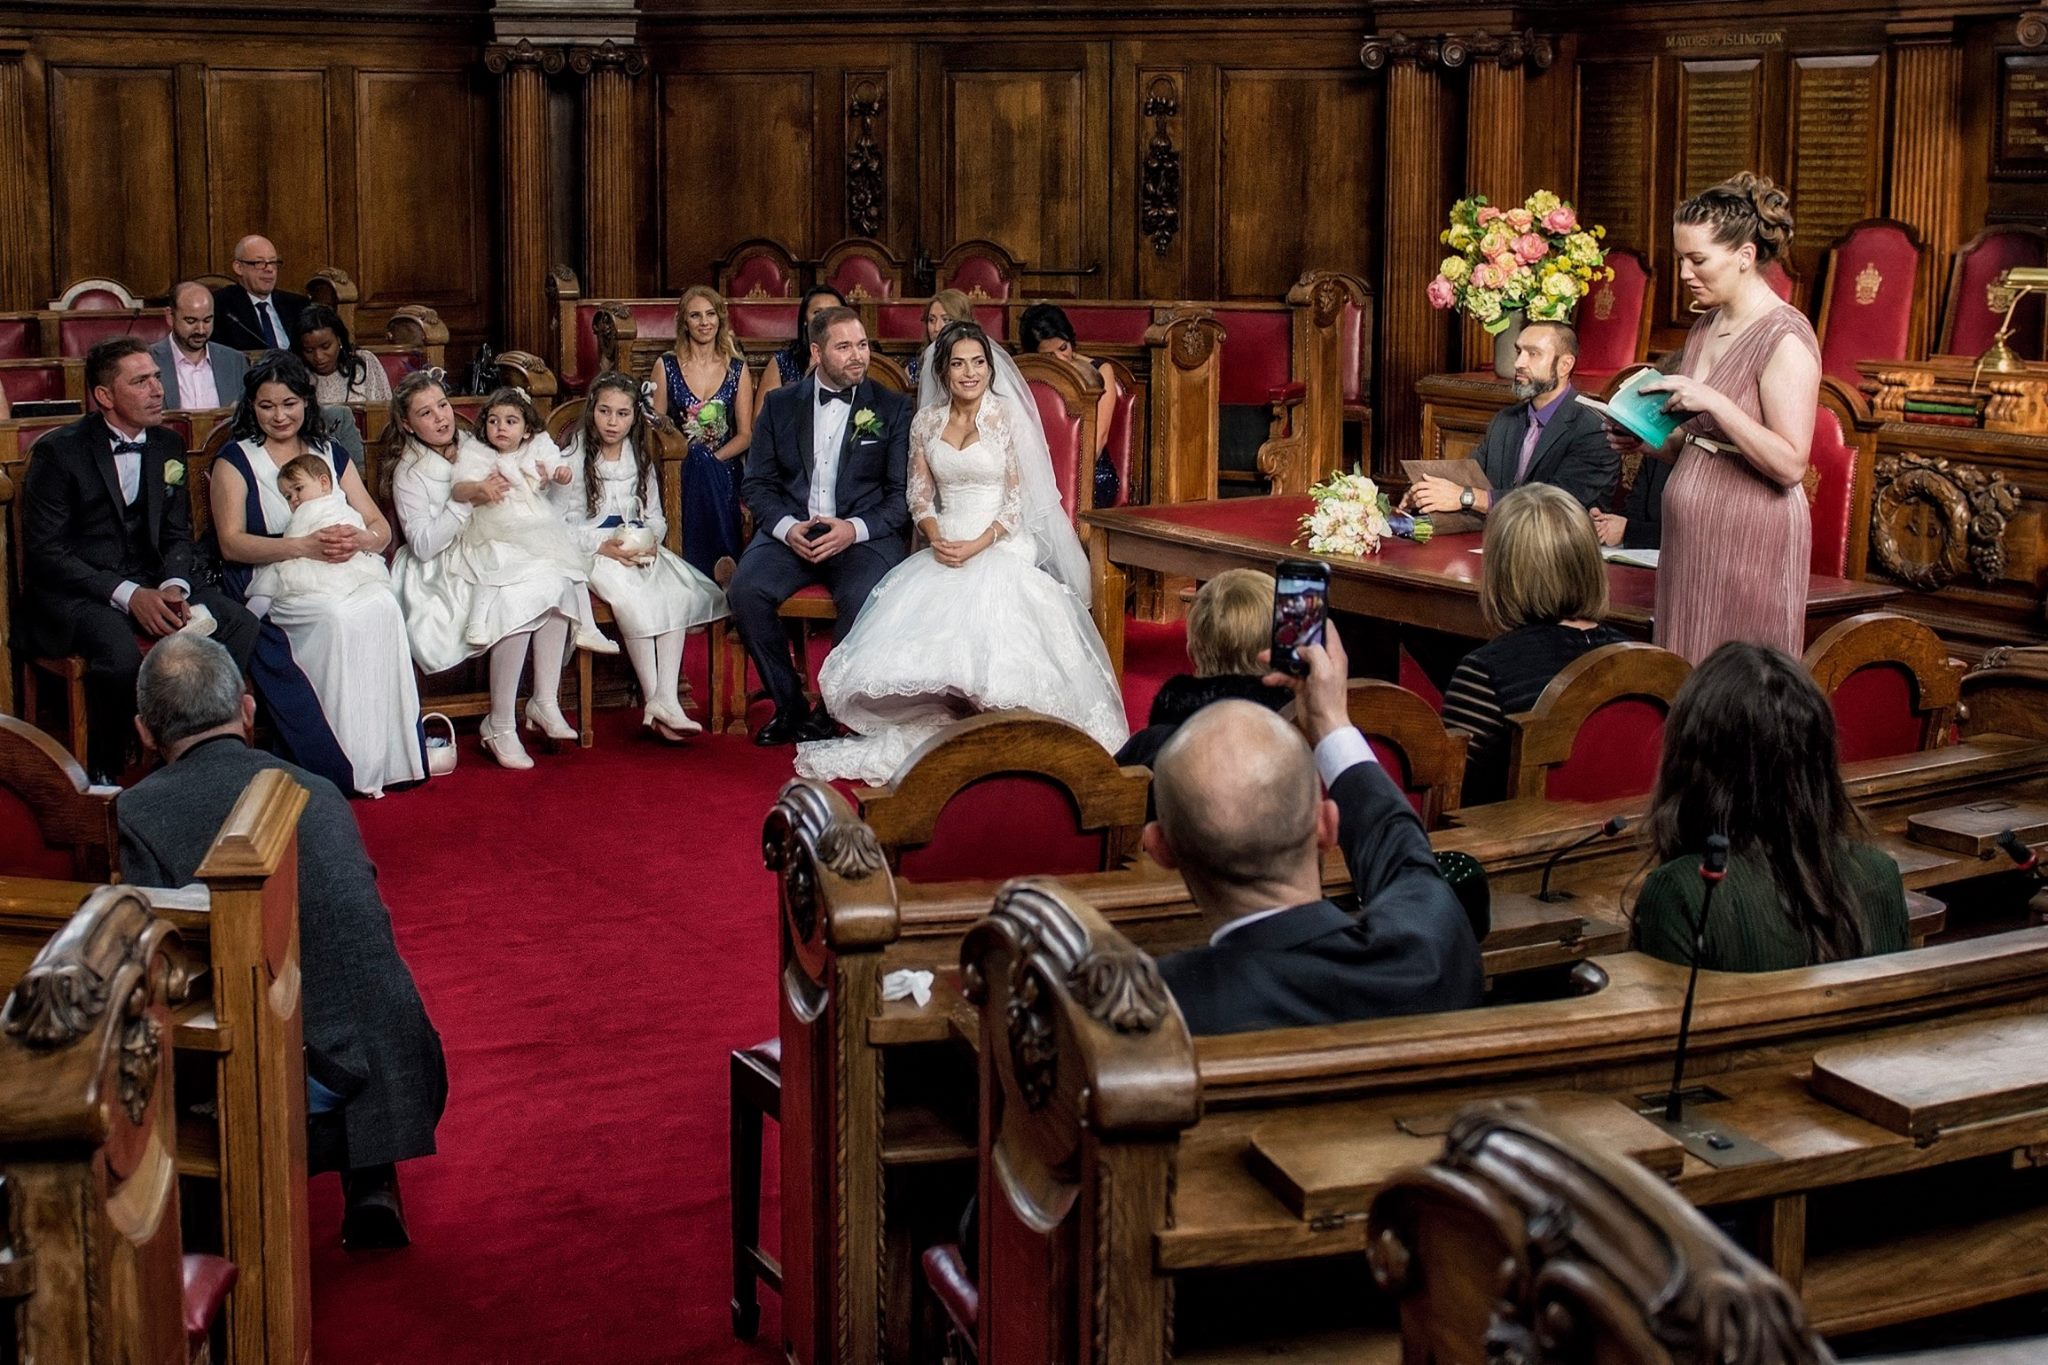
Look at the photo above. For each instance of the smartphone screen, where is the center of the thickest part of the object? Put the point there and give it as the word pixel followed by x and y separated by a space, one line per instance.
pixel 1301 590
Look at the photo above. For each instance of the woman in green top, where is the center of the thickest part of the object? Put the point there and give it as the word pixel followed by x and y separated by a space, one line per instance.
pixel 1749 751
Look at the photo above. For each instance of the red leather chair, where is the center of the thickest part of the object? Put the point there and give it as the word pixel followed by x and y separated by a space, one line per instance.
pixel 1779 277
pixel 1838 477
pixel 31 381
pixel 1426 760
pixel 1007 794
pixel 96 296
pixel 1254 373
pixel 1126 443
pixel 1866 310
pixel 945 1274
pixel 1598 729
pixel 1120 324
pixel 1067 397
pixel 761 319
pixel 862 269
pixel 1892 685
pixel 902 321
pixel 979 269
pixel 398 364
pixel 1968 321
pixel 53 822
pixel 1614 319
pixel 21 336
pixel 759 269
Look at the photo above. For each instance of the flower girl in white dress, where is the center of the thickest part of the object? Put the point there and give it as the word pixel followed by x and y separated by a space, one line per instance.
pixel 993 615
pixel 612 502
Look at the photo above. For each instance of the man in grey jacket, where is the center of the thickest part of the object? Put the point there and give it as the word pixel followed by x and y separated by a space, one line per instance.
pixel 375 1078
pixel 198 372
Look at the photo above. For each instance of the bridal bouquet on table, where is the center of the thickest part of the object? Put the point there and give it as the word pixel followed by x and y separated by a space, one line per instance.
pixel 1534 262
pixel 1351 516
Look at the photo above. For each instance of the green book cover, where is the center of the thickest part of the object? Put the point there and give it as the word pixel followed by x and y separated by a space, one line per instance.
pixel 1641 414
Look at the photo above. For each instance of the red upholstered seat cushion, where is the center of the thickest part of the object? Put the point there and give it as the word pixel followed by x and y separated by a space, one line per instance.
pixel 1396 764
pixel 1614 754
pixel 180 426
pixel 23 850
pixel 77 335
pixel 1005 825
pixel 995 321
pixel 1255 361
pixel 1830 490
pixel 1975 320
pixel 763 276
pixel 33 383
pixel 207 1282
pixel 1070 465
pixel 398 364
pixel 1779 279
pixel 764 321
pixel 900 321
pixel 979 272
pixel 1874 715
pixel 1870 302
pixel 1610 318
pixel 1122 325
pixel 19 338
pixel 864 275
pixel 946 1272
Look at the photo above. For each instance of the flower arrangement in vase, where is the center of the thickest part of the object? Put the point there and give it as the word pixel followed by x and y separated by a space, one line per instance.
pixel 1535 261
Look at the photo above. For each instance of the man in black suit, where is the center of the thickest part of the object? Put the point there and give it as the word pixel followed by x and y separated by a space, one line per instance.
pixel 254 314
pixel 107 538
pixel 1242 817
pixel 826 478
pixel 1548 436
pixel 1640 523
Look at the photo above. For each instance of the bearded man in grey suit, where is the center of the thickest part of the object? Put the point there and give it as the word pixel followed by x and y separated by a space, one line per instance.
pixel 375 1078
pixel 198 372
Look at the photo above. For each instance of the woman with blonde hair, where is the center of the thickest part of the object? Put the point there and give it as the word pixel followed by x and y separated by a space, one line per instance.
pixel 1545 588
pixel 718 425
pixel 948 305
pixel 1230 623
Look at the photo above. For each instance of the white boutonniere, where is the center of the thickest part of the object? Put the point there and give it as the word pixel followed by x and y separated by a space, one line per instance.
pixel 866 423
pixel 174 473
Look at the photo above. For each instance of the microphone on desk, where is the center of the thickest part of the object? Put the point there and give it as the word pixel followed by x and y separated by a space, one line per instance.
pixel 1606 831
pixel 1713 868
pixel 2023 857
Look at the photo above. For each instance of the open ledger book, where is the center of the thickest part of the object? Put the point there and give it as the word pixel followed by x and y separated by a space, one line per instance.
pixel 1635 559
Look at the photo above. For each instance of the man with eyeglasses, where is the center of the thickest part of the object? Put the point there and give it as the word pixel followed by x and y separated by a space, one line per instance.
pixel 254 314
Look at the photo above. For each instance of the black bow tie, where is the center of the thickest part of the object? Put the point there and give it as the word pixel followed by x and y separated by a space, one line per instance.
pixel 129 447
pixel 826 395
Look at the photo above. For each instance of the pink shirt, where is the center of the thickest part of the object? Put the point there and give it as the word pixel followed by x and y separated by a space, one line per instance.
pixel 195 379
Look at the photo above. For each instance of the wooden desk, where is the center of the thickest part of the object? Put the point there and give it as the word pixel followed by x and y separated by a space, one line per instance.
pixel 1434 586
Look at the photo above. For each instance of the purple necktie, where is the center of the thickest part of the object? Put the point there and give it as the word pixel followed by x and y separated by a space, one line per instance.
pixel 1535 434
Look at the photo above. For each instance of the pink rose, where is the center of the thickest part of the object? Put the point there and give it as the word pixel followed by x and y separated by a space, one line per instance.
pixel 1561 219
pixel 1521 220
pixel 1487 275
pixel 1529 248
pixel 1488 214
pixel 1440 293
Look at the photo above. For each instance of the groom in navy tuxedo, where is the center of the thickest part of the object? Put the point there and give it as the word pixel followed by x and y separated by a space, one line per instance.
pixel 826 484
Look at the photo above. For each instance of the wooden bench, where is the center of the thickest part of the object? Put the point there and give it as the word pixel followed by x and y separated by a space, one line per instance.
pixel 92 1265
pixel 238 1038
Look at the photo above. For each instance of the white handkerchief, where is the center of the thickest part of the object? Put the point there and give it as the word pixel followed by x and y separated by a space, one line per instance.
pixel 916 985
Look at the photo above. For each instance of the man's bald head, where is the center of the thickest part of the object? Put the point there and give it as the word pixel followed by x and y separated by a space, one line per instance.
pixel 256 264
pixel 191 315
pixel 1237 796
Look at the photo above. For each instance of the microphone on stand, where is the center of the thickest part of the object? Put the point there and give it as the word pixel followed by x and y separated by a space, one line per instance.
pixel 2024 858
pixel 1606 831
pixel 1712 869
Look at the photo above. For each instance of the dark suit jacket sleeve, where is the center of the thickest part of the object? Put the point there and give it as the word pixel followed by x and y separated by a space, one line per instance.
pixel 174 534
pixel 892 518
pixel 52 489
pixel 1645 506
pixel 771 459
pixel 1383 841
pixel 1498 447
pixel 1588 466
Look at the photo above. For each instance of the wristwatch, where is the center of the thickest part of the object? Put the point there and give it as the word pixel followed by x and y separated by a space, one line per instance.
pixel 1465 500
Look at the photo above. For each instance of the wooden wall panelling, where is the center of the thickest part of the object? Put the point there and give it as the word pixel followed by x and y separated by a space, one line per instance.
pixel 1414 337
pixel 266 164
pixel 1022 156
pixel 1619 150
pixel 763 138
pixel 20 186
pixel 1719 134
pixel 1834 161
pixel 1494 129
pixel 1926 159
pixel 1298 177
pixel 612 169
pixel 424 236
pixel 113 152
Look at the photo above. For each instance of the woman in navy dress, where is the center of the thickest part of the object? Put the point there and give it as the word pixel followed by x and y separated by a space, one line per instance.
pixel 793 361
pixel 334 674
pixel 708 391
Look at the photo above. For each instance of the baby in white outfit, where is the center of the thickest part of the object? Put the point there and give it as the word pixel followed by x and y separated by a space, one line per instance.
pixel 308 485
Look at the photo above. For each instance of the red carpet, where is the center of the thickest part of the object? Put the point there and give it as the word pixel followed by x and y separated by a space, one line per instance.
pixel 592 939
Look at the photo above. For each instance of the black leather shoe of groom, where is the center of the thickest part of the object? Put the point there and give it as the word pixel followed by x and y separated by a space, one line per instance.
pixel 780 730
pixel 819 726
pixel 374 1219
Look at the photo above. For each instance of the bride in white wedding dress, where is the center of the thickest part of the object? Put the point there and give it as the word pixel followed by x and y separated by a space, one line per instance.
pixel 993 614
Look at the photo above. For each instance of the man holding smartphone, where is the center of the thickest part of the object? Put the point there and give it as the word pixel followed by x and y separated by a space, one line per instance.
pixel 1244 818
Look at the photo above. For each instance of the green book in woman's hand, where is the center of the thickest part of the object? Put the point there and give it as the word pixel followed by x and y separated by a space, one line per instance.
pixel 1640 414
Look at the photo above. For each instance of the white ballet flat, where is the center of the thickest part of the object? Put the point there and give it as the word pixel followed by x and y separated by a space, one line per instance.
pixel 504 746
pixel 597 642
pixel 547 717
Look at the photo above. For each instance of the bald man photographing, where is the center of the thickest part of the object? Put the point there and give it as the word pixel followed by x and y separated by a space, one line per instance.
pixel 253 314
pixel 1244 818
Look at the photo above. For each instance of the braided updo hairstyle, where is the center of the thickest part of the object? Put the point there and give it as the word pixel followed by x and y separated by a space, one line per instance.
pixel 1748 209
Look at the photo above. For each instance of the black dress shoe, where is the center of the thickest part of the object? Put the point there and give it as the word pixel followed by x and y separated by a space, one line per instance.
pixel 374 1219
pixel 819 726
pixel 780 730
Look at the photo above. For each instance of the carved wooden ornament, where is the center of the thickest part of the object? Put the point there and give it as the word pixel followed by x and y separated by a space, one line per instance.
pixel 1931 520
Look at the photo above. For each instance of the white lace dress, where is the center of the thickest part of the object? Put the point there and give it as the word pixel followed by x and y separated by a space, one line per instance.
pixel 936 644
pixel 650 599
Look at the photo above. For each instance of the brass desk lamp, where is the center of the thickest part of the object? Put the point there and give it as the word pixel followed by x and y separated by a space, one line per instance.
pixel 2013 284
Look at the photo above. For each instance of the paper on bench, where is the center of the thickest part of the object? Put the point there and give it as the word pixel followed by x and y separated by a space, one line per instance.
pixel 1635 559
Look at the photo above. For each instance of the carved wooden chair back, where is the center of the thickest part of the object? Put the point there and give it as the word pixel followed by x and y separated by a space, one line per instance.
pixel 980 269
pixel 1068 398
pixel 1597 730
pixel 1613 321
pixel 1866 305
pixel 862 270
pixel 2007 693
pixel 1424 758
pixel 1891 682
pixel 759 268
pixel 1968 321
pixel 1003 794
pixel 53 822
pixel 1520 1241
pixel 1840 467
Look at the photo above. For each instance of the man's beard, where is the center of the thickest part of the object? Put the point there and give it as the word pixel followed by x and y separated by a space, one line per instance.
pixel 1525 389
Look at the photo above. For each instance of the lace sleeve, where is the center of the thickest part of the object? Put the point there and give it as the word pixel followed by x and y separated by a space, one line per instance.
pixel 921 491
pixel 1010 515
